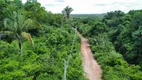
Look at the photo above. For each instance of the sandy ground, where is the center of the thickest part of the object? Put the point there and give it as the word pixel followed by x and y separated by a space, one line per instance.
pixel 92 69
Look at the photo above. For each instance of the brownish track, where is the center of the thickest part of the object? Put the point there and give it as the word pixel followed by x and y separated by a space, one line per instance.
pixel 92 69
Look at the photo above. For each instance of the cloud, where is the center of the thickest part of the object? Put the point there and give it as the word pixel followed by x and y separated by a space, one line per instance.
pixel 124 6
pixel 53 5
pixel 50 5
pixel 113 4
pixel 60 0
pixel 100 4
pixel 91 6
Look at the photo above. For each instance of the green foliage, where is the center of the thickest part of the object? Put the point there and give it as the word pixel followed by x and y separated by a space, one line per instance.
pixel 46 61
pixel 83 29
pixel 113 65
pixel 116 33
pixel 126 38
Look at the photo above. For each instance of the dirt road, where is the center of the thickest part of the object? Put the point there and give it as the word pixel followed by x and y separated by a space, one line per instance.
pixel 92 69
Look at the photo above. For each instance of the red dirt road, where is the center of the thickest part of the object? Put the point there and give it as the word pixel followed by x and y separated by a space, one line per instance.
pixel 92 69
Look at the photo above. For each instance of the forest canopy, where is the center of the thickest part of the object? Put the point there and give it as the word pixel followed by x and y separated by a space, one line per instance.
pixel 36 43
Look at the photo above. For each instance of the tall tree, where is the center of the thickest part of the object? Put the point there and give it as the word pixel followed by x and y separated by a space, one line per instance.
pixel 18 24
pixel 67 10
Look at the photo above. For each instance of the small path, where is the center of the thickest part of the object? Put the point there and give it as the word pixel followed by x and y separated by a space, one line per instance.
pixel 92 69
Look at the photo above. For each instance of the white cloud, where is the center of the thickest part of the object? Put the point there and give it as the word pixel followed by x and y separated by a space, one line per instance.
pixel 91 6
pixel 60 0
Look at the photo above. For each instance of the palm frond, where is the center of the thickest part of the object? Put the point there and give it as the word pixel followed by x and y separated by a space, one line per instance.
pixel 30 24
pixel 27 24
pixel 28 37
pixel 5 22
pixel 21 19
pixel 10 25
pixel 6 32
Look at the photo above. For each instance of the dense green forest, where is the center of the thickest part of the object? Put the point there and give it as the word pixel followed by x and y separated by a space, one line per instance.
pixel 36 44
pixel 50 44
pixel 116 41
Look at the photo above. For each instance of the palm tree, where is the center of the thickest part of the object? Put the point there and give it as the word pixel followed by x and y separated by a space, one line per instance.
pixel 17 24
pixel 67 10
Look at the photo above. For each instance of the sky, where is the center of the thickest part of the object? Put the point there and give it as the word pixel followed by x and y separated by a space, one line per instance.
pixel 91 6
